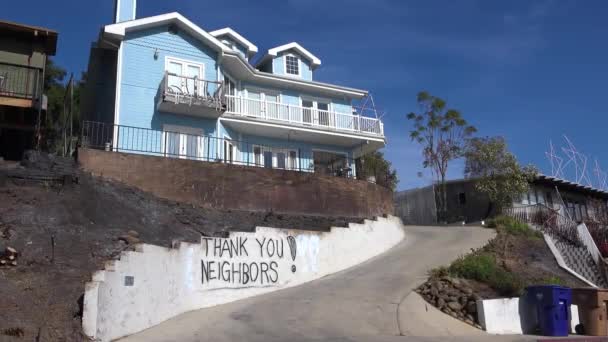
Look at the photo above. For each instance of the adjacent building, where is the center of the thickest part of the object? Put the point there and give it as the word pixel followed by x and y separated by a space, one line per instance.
pixel 24 51
pixel 466 204
pixel 163 85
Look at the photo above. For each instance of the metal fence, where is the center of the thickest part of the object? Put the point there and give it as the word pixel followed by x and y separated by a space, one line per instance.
pixel 548 220
pixel 19 81
pixel 166 143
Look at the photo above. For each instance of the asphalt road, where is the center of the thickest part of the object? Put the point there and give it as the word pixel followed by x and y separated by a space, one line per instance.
pixel 358 304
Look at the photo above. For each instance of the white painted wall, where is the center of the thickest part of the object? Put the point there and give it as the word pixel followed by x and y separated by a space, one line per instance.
pixel 505 316
pixel 171 281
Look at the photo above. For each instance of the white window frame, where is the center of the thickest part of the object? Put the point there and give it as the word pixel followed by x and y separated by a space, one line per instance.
pixel 183 131
pixel 315 109
pixel 299 74
pixel 185 63
pixel 275 160
pixel 232 142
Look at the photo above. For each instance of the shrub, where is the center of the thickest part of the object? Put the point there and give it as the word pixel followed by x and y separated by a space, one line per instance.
pixel 554 280
pixel 513 226
pixel 482 267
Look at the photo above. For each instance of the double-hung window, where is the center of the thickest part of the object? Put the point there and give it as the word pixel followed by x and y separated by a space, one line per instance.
pixel 292 65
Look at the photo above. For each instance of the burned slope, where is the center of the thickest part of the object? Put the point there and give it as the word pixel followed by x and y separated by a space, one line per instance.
pixel 64 228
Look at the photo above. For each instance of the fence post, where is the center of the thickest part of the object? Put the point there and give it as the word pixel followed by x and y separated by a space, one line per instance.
pixel 117 136
pixel 300 159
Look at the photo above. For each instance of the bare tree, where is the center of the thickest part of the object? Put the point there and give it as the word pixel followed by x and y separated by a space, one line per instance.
pixel 442 133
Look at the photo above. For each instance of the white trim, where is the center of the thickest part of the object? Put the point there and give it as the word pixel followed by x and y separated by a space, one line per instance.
pixel 344 91
pixel 120 29
pixel 134 9
pixel 183 129
pixel 295 46
pixel 117 97
pixel 299 74
pixel 251 48
pixel 117 14
pixel 185 61
pixel 303 129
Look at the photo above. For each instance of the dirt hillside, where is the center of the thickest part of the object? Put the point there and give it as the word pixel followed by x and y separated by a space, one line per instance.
pixel 64 224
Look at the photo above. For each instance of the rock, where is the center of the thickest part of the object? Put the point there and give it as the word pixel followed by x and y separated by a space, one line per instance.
pixel 453 315
pixel 440 302
pixel 133 233
pixel 470 318
pixel 471 307
pixel 475 297
pixel 468 321
pixel 455 306
pixel 468 291
pixel 131 240
pixel 434 291
pixel 463 301
pixel 478 326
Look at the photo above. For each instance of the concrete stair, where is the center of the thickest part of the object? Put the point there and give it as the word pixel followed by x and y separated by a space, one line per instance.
pixel 580 261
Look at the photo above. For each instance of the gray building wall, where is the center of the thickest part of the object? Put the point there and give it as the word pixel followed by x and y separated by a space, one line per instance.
pixel 416 206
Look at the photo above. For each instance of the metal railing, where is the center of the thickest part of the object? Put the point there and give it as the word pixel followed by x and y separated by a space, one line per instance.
pixel 192 90
pixel 20 81
pixel 548 220
pixel 303 116
pixel 120 138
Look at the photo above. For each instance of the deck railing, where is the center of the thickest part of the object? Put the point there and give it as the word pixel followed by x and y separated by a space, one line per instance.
pixel 19 81
pixel 302 116
pixel 120 138
pixel 192 90
pixel 548 220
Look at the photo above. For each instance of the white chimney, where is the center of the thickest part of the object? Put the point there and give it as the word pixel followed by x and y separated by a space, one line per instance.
pixel 124 10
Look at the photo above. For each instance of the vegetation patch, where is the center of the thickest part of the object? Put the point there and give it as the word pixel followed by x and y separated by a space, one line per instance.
pixel 515 259
pixel 512 226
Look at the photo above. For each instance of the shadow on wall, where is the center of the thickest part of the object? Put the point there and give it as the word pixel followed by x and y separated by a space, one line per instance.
pixel 226 186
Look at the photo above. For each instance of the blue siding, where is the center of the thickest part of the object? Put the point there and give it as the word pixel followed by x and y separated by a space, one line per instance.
pixel 125 10
pixel 239 47
pixel 142 73
pixel 304 150
pixel 278 66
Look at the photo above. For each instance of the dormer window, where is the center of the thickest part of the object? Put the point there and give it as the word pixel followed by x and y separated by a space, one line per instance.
pixel 292 65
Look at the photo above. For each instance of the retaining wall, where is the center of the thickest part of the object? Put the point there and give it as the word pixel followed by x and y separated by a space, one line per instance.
pixel 226 186
pixel 152 284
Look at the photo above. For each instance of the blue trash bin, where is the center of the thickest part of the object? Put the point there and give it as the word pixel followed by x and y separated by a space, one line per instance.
pixel 552 307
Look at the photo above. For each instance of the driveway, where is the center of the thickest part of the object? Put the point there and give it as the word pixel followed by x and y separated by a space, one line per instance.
pixel 358 304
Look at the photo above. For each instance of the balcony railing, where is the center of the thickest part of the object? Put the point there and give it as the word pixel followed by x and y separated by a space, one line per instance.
pixel 302 116
pixel 120 138
pixel 192 91
pixel 19 81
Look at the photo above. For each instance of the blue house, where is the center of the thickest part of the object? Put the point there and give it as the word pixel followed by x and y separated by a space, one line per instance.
pixel 162 85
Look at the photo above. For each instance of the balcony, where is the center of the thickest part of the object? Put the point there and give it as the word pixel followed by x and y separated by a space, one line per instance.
pixel 191 96
pixel 20 86
pixel 304 117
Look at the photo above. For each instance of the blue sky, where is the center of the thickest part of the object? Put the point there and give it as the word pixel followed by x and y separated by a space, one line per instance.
pixel 527 70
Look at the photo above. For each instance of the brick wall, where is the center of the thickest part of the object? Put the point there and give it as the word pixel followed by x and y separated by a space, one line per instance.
pixel 238 187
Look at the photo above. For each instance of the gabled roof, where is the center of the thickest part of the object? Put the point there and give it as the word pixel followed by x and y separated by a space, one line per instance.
pixel 120 29
pixel 314 61
pixel 232 60
pixel 227 31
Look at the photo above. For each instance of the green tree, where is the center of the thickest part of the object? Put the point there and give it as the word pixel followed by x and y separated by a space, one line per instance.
pixel 63 109
pixel 375 165
pixel 497 171
pixel 442 133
